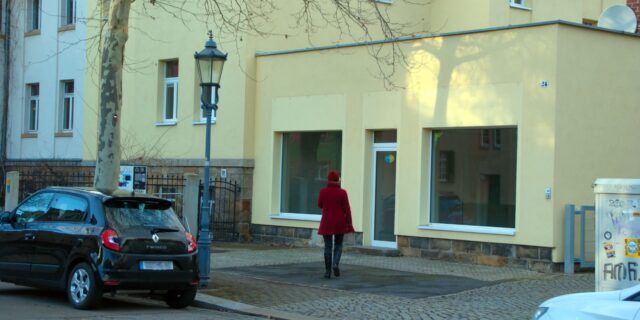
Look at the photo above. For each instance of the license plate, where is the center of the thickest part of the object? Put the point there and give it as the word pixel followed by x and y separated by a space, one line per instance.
pixel 156 265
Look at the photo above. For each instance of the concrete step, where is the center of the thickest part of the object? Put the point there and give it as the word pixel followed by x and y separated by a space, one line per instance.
pixel 374 251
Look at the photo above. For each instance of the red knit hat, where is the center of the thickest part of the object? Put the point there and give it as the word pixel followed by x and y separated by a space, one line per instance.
pixel 333 176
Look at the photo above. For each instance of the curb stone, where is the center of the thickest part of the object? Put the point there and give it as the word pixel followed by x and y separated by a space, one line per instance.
pixel 211 302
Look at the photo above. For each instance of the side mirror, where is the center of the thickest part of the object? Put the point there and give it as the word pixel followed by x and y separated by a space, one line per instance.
pixel 5 217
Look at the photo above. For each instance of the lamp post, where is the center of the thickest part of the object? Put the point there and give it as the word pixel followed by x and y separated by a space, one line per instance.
pixel 209 63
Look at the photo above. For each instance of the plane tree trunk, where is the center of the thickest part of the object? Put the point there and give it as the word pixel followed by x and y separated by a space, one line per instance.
pixel 112 61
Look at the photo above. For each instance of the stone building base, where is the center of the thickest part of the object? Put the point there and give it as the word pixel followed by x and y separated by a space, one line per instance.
pixel 293 236
pixel 493 254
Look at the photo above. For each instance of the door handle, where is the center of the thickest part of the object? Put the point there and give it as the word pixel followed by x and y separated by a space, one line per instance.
pixel 29 236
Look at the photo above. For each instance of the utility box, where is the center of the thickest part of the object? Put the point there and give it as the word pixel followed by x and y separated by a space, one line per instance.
pixel 617 233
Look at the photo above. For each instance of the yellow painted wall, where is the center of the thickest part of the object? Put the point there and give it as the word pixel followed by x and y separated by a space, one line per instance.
pixel 156 36
pixel 597 115
pixel 91 85
pixel 488 79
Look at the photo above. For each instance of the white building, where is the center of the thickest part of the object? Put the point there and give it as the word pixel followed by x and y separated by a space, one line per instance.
pixel 48 42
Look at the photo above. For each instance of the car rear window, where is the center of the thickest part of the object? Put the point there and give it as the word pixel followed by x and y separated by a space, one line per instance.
pixel 123 214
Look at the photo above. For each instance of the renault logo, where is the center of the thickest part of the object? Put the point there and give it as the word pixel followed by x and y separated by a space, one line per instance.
pixel 155 238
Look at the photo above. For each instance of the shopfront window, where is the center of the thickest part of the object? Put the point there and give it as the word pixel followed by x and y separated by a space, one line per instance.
pixel 307 157
pixel 473 177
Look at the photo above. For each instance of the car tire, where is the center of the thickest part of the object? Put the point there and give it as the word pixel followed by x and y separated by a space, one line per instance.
pixel 179 299
pixel 83 290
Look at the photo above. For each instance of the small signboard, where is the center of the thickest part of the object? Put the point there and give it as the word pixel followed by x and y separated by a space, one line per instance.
pixel 133 179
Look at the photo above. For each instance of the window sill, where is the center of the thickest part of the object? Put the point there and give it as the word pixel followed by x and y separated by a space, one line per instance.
pixel 196 123
pixel 297 216
pixel 166 123
pixel 32 33
pixel 68 27
pixel 520 7
pixel 29 135
pixel 469 229
pixel 63 134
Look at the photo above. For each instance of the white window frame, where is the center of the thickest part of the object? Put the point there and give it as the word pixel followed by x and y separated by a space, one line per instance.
pixel 485 138
pixel 300 216
pixel 203 119
pixel 520 4
pixel 31 24
pixel 497 138
pixel 505 231
pixel 64 10
pixel 31 124
pixel 70 97
pixel 168 82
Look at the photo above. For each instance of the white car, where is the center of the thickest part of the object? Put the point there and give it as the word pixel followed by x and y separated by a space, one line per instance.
pixel 619 304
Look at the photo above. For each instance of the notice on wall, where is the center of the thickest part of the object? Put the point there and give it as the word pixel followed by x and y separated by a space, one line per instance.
pixel 617 235
pixel 133 179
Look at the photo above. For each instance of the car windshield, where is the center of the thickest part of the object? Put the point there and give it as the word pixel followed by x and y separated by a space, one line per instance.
pixel 133 214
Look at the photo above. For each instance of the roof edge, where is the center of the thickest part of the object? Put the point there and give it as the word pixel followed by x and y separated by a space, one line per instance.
pixel 444 34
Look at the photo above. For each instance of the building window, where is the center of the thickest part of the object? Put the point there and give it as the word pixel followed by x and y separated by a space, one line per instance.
pixel 66 110
pixel 518 4
pixel 67 12
pixel 33 15
pixel 170 101
pixel 213 113
pixel 306 158
pixel 33 105
pixel 483 191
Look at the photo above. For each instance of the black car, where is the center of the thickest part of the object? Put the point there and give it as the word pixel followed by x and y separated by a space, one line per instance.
pixel 89 243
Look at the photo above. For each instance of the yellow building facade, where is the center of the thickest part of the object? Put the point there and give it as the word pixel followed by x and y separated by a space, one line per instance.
pixel 506 113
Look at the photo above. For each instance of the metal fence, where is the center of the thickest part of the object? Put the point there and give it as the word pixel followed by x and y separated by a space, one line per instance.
pixel 585 232
pixel 224 195
pixel 34 180
pixel 170 187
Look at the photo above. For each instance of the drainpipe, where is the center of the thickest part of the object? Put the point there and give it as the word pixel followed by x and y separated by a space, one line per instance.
pixel 5 98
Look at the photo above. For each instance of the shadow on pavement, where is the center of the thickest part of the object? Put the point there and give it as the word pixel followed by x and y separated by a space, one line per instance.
pixel 364 279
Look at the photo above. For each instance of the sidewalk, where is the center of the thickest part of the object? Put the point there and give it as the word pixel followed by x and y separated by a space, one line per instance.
pixel 287 283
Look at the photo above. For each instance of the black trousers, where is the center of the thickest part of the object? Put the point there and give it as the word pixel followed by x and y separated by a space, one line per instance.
pixel 329 243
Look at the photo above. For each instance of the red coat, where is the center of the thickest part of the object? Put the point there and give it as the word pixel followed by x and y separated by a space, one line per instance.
pixel 336 213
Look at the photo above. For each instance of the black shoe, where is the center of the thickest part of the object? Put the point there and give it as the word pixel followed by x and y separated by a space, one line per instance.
pixel 337 254
pixel 327 266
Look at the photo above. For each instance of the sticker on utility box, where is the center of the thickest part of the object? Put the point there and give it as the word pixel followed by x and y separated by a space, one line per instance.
pixel 631 247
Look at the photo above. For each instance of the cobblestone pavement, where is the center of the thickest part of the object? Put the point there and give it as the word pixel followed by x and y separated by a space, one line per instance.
pixel 515 295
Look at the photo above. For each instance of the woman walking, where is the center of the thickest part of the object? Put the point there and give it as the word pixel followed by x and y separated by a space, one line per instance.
pixel 335 222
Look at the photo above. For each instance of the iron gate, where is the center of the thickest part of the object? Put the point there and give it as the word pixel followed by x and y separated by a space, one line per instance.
pixel 224 195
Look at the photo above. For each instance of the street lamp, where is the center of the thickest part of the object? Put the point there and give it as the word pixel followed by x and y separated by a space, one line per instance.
pixel 209 63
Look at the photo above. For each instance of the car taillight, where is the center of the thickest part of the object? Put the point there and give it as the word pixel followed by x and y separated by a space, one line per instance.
pixel 110 240
pixel 192 242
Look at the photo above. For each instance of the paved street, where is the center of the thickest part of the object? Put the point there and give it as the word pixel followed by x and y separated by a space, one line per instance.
pixel 287 283
pixel 18 302
pixel 373 287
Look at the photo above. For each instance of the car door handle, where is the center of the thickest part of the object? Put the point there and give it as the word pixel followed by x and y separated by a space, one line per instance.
pixel 29 236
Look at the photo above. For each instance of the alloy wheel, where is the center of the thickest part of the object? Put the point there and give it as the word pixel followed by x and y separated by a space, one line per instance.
pixel 80 285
